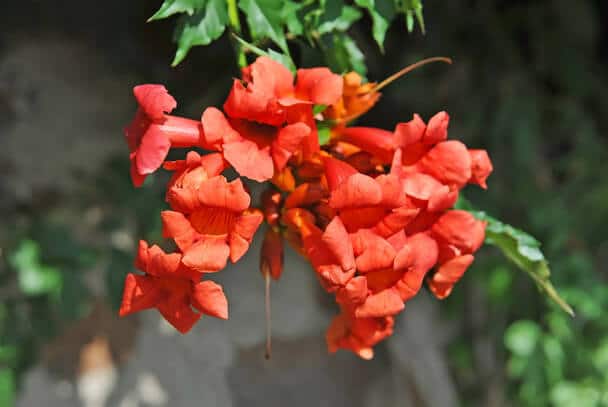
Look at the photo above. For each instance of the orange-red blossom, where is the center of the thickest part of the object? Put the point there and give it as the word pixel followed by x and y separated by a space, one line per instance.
pixel 372 209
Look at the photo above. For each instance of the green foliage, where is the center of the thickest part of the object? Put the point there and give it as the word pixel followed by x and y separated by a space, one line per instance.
pixel 203 27
pixel 344 55
pixel 286 24
pixel 170 7
pixel 382 13
pixel 265 21
pixel 7 387
pixel 520 248
pixel 347 17
pixel 34 278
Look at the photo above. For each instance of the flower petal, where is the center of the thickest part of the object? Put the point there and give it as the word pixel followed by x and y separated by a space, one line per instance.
pixel 460 229
pixel 179 314
pixel 336 238
pixel 154 100
pixel 216 129
pixel 137 178
pixel 372 251
pixel 152 151
pixel 209 255
pixel 442 282
pixel 354 292
pixel 219 193
pixel 409 133
pixel 177 227
pixel 437 129
pixel 319 85
pixel 415 259
pixel 378 142
pixel 481 167
pixel 357 191
pixel 249 160
pixel 139 293
pixel 337 171
pixel 287 142
pixel 386 302
pixel 269 77
pixel 449 162
pixel 242 234
pixel 208 297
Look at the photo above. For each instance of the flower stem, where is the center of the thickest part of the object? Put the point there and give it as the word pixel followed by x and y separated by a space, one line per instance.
pixel 268 316
pixel 408 69
pixel 235 24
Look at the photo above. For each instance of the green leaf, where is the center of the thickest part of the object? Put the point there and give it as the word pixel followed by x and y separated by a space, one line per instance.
pixel 324 133
pixel 382 13
pixel 265 20
pixel 522 249
pixel 277 56
pixel 413 11
pixel 289 14
pixel 7 387
pixel 343 22
pixel 170 7
pixel 343 55
pixel 34 278
pixel 202 28
pixel 283 59
pixel 319 109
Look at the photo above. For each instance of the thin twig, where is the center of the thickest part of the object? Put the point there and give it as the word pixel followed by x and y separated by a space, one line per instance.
pixel 268 315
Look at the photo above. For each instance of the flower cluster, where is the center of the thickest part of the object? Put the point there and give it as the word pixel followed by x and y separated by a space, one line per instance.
pixel 370 209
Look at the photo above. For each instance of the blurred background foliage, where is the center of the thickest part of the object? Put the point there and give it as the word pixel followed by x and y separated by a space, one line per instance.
pixel 529 84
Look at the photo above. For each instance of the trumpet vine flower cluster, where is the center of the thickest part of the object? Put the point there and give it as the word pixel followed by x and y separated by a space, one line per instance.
pixel 371 209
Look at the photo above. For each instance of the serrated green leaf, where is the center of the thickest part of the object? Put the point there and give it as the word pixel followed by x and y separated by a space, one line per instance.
pixel 382 13
pixel 291 18
pixel 205 26
pixel 34 278
pixel 413 11
pixel 343 55
pixel 343 22
pixel 170 7
pixel 522 249
pixel 265 20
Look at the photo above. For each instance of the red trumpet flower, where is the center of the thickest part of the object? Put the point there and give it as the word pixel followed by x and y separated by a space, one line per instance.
pixel 172 289
pixel 152 132
pixel 218 224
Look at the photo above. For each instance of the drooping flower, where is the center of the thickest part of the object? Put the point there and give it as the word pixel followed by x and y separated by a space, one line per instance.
pixel 216 224
pixel 188 175
pixel 362 202
pixel 330 253
pixel 153 132
pixel 172 288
